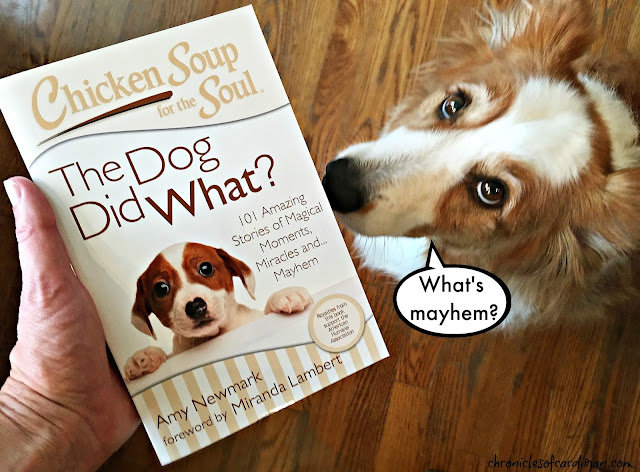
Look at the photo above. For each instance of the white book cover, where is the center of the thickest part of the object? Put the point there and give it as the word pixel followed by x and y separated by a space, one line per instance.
pixel 193 214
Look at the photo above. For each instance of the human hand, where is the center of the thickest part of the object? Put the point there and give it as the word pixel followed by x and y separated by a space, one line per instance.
pixel 63 406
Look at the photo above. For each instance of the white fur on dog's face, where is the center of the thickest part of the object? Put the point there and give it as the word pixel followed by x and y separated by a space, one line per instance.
pixel 547 128
pixel 219 302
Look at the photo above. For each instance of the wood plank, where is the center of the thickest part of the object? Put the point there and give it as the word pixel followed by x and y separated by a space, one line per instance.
pixel 436 404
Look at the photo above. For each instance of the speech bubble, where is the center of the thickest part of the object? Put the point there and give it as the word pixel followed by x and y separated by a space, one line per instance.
pixel 451 300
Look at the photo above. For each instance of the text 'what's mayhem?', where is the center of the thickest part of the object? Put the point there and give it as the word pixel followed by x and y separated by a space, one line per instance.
pixel 451 300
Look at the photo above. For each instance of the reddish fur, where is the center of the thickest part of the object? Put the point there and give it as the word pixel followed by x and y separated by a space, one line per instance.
pixel 564 33
pixel 160 270
pixel 236 267
pixel 195 254
pixel 549 48
pixel 620 73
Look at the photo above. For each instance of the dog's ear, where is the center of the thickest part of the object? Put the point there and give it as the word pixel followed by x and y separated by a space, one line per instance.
pixel 612 226
pixel 240 269
pixel 550 34
pixel 141 311
pixel 622 210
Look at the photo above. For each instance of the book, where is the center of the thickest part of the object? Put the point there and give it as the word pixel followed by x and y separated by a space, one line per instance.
pixel 193 214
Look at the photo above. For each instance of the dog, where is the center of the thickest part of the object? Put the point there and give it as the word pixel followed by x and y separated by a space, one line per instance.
pixel 189 287
pixel 515 151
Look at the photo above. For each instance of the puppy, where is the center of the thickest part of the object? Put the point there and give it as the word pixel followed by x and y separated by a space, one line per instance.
pixel 189 287
pixel 515 151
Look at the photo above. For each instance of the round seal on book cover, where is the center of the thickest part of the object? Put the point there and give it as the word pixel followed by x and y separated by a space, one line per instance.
pixel 336 323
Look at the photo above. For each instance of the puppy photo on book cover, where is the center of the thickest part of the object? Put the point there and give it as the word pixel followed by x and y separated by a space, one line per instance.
pixel 189 288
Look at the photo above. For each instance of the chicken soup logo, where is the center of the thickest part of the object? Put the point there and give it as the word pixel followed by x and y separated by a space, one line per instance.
pixel 221 82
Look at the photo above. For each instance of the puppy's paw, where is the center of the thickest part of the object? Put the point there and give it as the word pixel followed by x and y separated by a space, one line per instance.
pixel 289 300
pixel 144 362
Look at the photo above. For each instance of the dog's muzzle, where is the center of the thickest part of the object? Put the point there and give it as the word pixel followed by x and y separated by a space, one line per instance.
pixel 196 309
pixel 344 186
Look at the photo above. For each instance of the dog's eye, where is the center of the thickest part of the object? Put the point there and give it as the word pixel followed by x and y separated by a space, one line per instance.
pixel 452 105
pixel 161 289
pixel 205 269
pixel 491 191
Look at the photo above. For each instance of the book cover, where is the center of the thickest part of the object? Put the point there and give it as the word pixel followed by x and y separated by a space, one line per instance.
pixel 193 214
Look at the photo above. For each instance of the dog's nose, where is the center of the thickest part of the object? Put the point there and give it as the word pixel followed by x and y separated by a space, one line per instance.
pixel 342 183
pixel 196 309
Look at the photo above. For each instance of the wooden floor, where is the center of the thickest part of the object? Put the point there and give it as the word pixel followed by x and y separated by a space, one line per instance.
pixel 435 404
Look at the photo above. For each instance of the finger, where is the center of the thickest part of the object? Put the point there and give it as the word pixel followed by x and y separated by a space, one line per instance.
pixel 43 256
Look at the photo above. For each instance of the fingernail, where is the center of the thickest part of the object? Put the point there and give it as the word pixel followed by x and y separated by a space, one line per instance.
pixel 13 191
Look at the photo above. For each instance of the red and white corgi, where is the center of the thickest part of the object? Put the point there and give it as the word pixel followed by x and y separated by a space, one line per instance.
pixel 515 151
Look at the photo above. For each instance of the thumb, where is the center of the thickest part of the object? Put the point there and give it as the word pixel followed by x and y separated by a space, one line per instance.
pixel 46 270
